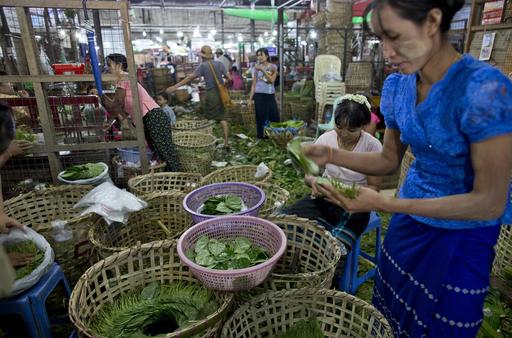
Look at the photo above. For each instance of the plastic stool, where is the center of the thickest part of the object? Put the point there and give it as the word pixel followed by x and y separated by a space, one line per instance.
pixel 31 304
pixel 350 280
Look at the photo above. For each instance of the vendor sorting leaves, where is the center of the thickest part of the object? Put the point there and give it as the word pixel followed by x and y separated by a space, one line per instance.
pixel 351 115
pixel 454 112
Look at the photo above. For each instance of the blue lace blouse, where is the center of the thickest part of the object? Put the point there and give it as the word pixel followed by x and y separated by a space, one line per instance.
pixel 472 103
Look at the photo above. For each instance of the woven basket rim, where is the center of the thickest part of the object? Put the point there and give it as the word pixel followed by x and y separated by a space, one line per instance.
pixel 135 181
pixel 176 136
pixel 135 251
pixel 306 291
pixel 198 124
pixel 220 171
pixel 309 223
pixel 148 198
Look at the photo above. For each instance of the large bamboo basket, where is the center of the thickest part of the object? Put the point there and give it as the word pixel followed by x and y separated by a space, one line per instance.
pixel 195 151
pixel 237 173
pixel 503 249
pixel 132 268
pixel 248 117
pixel 275 198
pixel 39 208
pixel 159 182
pixel 339 314
pixel 310 260
pixel 200 126
pixel 163 218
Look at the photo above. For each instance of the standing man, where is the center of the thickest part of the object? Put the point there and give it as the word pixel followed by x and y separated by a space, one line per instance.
pixel 222 58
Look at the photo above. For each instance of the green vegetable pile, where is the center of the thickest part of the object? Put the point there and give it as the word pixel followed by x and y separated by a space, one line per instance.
pixel 507 273
pixel 83 172
pixel 287 124
pixel 222 205
pixel 497 316
pixel 344 189
pixel 26 247
pixel 23 135
pixel 309 328
pixel 155 310
pixel 299 160
pixel 238 253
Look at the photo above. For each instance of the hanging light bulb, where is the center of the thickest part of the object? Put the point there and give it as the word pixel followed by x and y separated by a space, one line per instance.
pixel 213 32
pixel 313 35
pixel 144 34
pixel 179 34
pixel 62 33
pixel 161 31
pixel 265 34
pixel 240 38
pixel 274 32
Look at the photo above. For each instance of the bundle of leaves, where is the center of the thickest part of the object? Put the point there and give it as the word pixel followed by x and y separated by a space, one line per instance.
pixel 497 316
pixel 238 253
pixel 349 191
pixel 507 273
pixel 25 247
pixel 299 160
pixel 155 310
pixel 83 172
pixel 309 328
pixel 287 124
pixel 222 205
pixel 23 134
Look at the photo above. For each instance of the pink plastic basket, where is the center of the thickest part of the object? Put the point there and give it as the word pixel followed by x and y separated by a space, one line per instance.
pixel 252 196
pixel 259 231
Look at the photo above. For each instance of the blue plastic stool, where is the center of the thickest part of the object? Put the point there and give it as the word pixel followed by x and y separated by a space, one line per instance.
pixel 350 280
pixel 31 304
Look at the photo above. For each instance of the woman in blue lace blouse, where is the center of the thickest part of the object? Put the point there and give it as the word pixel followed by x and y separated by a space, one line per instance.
pixel 456 115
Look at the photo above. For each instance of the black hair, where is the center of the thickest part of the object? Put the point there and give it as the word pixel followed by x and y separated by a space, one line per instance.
pixel 352 114
pixel 7 131
pixel 264 51
pixel 417 10
pixel 163 95
pixel 119 58
pixel 234 68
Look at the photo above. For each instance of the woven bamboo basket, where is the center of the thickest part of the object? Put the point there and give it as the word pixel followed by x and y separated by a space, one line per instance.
pixel 125 173
pixel 160 182
pixel 248 117
pixel 339 314
pixel 281 136
pixel 503 249
pixel 275 198
pixel 163 218
pixel 195 151
pixel 404 167
pixel 234 111
pixel 238 95
pixel 200 126
pixel 39 208
pixel 133 268
pixel 303 109
pixel 237 173
pixel 310 259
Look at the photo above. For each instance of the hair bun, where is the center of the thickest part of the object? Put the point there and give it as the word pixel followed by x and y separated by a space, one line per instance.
pixel 455 5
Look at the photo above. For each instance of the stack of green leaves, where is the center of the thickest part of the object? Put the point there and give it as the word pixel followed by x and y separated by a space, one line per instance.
pixel 287 124
pixel 24 135
pixel 83 172
pixel 26 247
pixel 497 316
pixel 222 205
pixel 349 191
pixel 155 310
pixel 238 253
pixel 309 328
pixel 299 160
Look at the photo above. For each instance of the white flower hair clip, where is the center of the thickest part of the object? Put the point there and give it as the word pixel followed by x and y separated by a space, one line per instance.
pixel 361 99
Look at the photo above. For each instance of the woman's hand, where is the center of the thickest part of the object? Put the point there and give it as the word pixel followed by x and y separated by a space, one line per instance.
pixel 311 181
pixel 170 89
pixel 18 147
pixel 20 259
pixel 319 153
pixel 7 224
pixel 259 67
pixel 367 199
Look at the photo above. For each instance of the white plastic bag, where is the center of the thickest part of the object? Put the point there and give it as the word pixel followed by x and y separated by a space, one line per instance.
pixel 112 203
pixel 261 170
pixel 30 280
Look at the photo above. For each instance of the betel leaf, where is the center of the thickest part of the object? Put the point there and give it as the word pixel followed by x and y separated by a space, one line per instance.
pixel 216 248
pixel 222 205
pixel 190 254
pixel 205 260
pixel 241 245
pixel 299 160
pixel 222 208
pixel 151 291
pixel 202 244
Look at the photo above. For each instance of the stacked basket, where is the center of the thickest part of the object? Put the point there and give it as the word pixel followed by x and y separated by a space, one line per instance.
pixel 164 217
pixel 275 198
pixel 195 151
pixel 237 173
pixel 39 208
pixel 160 182
pixel 303 109
pixel 200 126
pixel 133 269
pixel 359 77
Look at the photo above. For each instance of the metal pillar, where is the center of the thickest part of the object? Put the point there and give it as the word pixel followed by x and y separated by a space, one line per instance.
pixel 280 37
